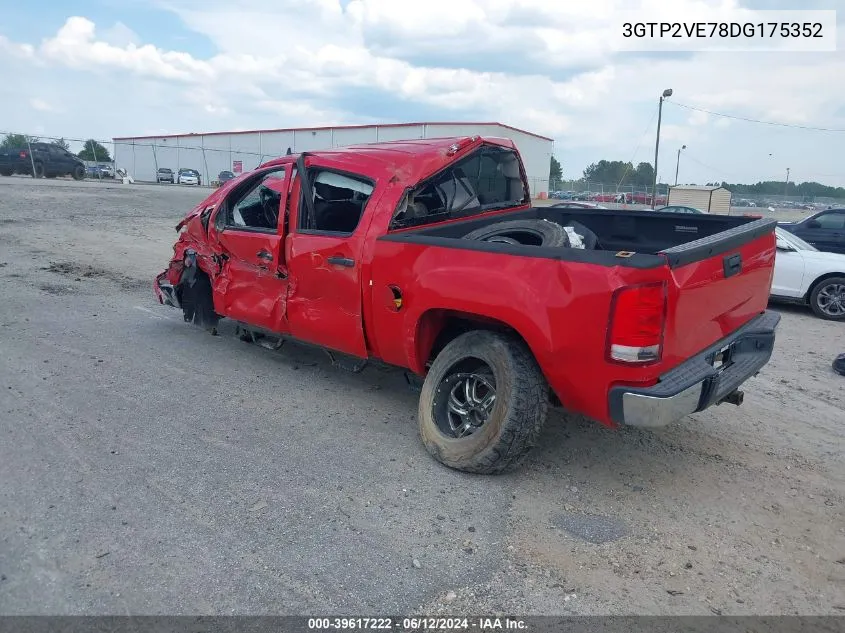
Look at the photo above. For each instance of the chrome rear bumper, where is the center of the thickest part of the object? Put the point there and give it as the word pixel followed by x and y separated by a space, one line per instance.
pixel 709 378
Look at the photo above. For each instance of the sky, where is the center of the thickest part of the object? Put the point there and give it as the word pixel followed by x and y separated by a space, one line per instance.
pixel 106 68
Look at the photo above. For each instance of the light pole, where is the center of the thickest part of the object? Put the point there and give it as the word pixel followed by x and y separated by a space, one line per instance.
pixel 786 187
pixel 666 93
pixel 678 164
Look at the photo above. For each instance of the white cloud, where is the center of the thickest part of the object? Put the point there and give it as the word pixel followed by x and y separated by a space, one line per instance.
pixel 75 45
pixel 41 105
pixel 213 109
pixel 698 118
pixel 680 133
pixel 12 49
pixel 120 35
pixel 543 66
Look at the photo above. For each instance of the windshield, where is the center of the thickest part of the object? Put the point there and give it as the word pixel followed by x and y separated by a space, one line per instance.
pixel 796 241
pixel 487 179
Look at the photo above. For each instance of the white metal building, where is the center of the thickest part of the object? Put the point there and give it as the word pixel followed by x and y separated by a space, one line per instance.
pixel 211 153
pixel 708 199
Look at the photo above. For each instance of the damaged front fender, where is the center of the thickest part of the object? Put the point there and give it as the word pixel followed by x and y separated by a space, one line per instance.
pixel 182 271
pixel 178 275
pixel 165 291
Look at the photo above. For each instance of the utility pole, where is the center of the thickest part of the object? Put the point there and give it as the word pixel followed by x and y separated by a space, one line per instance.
pixel 786 188
pixel 666 93
pixel 678 164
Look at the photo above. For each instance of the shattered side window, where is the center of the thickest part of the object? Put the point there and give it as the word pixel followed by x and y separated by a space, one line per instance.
pixel 258 207
pixel 489 178
pixel 337 200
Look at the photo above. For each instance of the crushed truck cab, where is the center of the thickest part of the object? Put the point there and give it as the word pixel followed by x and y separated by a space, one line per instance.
pixel 428 255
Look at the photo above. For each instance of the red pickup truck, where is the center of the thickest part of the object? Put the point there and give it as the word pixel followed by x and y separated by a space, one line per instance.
pixel 427 255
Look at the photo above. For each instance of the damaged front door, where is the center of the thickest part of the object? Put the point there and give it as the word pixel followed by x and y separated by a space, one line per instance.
pixel 252 284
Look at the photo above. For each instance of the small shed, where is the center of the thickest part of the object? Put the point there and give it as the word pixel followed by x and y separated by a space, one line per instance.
pixel 710 199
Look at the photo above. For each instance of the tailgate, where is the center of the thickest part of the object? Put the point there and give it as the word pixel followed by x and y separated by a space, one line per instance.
pixel 717 284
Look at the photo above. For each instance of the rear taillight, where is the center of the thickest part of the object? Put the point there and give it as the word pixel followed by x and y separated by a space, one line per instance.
pixel 22 155
pixel 637 321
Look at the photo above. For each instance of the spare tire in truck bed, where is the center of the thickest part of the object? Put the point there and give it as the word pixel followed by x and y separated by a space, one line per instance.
pixel 525 232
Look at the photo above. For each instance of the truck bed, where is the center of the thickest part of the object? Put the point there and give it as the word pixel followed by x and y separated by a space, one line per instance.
pixel 717 271
pixel 653 236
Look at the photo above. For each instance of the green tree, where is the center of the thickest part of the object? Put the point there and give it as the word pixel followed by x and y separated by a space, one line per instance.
pixel 613 173
pixel 644 175
pixel 61 142
pixel 555 170
pixel 94 151
pixel 13 141
pixel 617 172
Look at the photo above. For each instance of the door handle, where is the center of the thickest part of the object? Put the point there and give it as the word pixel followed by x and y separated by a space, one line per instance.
pixel 341 261
pixel 265 255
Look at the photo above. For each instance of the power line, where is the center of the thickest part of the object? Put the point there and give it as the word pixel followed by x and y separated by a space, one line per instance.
pixel 631 162
pixel 713 169
pixel 750 120
pixel 793 180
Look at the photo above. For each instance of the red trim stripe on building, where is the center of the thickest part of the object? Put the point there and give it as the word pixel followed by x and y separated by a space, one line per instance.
pixel 332 127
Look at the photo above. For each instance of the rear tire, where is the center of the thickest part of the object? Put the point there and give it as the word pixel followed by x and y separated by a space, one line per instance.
pixel 827 299
pixel 38 170
pixel 492 437
pixel 6 172
pixel 525 232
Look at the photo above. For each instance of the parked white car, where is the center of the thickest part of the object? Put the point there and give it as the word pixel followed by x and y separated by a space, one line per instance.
pixel 806 275
pixel 188 177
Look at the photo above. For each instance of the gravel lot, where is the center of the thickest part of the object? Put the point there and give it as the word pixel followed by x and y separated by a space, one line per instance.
pixel 147 467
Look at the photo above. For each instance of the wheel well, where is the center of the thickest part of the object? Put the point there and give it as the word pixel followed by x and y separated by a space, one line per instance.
pixel 197 299
pixel 437 328
pixel 818 281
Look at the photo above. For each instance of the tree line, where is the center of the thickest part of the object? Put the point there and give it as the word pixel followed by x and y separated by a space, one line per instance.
pixel 626 175
pixel 611 172
pixel 808 189
pixel 91 149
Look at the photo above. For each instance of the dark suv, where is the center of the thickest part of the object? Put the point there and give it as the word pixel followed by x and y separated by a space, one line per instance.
pixel 825 230
pixel 41 160
pixel 164 175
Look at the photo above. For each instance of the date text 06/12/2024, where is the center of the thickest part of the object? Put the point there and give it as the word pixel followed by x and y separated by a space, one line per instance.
pixel 418 624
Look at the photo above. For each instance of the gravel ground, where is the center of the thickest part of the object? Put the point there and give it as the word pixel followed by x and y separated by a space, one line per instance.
pixel 147 467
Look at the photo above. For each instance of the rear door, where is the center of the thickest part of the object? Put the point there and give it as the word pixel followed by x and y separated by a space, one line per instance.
pixel 66 161
pixel 323 255
pixel 252 286
pixel 54 163
pixel 58 161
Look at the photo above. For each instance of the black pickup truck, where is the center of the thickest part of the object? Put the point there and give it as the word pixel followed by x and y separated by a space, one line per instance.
pixel 45 160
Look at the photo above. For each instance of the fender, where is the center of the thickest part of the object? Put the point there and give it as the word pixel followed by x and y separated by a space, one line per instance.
pixel 202 257
pixel 436 297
